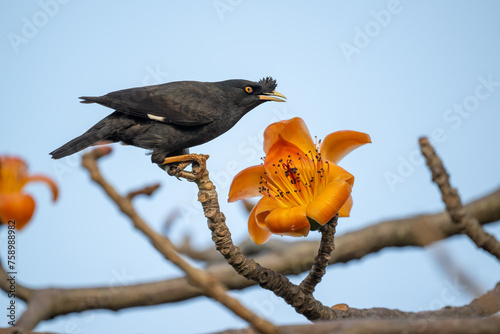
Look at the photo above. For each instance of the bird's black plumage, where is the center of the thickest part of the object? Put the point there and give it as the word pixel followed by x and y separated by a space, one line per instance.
pixel 170 118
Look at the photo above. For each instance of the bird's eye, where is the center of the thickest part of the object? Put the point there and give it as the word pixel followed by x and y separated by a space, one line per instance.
pixel 248 89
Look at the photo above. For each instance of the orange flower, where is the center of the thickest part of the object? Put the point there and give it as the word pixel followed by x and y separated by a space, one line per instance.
pixel 15 204
pixel 302 187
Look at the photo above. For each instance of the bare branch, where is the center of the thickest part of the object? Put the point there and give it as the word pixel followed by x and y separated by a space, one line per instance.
pixel 325 250
pixel 148 191
pixel 22 292
pixel 40 306
pixel 304 303
pixel 210 286
pixel 280 285
pixel 464 222
pixel 285 257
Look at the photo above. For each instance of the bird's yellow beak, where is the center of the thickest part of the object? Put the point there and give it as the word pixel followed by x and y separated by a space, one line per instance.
pixel 273 96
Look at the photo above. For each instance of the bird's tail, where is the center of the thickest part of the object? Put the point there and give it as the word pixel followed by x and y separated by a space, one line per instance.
pixel 79 143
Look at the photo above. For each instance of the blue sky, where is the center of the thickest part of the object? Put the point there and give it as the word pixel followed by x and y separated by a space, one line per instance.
pixel 394 69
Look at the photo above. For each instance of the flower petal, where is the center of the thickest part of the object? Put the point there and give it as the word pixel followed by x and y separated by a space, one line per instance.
pixel 335 172
pixel 281 150
pixel 246 183
pixel 293 130
pixel 48 181
pixel 345 210
pixel 257 234
pixel 338 144
pixel 263 208
pixel 18 207
pixel 13 171
pixel 329 202
pixel 289 221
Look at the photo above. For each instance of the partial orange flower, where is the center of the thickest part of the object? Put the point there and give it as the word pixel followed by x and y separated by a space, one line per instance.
pixel 301 185
pixel 14 203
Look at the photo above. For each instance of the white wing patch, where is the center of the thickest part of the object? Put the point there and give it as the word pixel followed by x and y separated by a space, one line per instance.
pixel 156 118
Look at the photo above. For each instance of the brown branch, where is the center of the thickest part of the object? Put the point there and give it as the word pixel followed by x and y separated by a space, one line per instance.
pixel 40 306
pixel 295 296
pixel 148 191
pixel 210 286
pixel 325 250
pixel 22 292
pixel 287 258
pixel 280 285
pixel 464 222
pixel 489 325
pixel 420 230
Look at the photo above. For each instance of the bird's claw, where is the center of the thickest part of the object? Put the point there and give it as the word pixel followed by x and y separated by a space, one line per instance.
pixel 180 162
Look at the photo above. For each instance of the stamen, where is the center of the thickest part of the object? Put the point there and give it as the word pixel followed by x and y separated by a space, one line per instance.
pixel 297 181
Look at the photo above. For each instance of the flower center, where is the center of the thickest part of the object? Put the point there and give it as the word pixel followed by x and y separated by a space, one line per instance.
pixel 296 179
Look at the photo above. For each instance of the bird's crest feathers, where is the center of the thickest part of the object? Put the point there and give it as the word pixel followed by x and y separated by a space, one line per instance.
pixel 268 83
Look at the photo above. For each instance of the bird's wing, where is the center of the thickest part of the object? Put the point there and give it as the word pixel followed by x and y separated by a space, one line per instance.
pixel 185 103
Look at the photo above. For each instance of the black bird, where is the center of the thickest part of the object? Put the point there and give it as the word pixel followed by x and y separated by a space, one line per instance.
pixel 172 117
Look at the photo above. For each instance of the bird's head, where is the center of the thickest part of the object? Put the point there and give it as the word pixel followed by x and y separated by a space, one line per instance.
pixel 249 94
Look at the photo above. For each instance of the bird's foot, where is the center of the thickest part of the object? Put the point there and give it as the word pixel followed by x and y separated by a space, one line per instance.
pixel 180 162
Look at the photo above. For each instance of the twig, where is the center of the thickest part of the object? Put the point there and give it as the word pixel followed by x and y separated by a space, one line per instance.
pixel 210 286
pixel 148 191
pixel 22 292
pixel 465 223
pixel 325 250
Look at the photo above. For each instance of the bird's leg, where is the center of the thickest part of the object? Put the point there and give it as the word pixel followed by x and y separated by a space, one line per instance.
pixel 185 160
